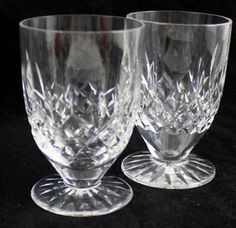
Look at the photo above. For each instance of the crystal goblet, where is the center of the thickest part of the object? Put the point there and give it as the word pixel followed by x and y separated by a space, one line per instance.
pixel 81 88
pixel 185 61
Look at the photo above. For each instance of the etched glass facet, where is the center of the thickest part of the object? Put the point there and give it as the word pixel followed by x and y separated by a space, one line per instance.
pixel 81 81
pixel 185 61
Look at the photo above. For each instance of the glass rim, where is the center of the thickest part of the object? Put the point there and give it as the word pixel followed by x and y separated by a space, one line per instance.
pixel 140 25
pixel 227 22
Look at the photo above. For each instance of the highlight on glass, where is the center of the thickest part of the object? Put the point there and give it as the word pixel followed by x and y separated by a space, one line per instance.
pixel 81 86
pixel 184 67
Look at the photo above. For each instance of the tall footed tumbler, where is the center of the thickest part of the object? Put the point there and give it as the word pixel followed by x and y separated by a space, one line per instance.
pixel 81 89
pixel 184 66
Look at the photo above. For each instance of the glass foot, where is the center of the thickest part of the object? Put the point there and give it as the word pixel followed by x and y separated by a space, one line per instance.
pixel 141 167
pixel 53 195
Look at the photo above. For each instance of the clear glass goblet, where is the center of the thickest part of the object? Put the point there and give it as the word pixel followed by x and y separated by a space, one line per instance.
pixel 185 62
pixel 81 88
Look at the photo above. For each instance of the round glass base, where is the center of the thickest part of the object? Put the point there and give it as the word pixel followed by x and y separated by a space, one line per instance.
pixel 53 195
pixel 141 167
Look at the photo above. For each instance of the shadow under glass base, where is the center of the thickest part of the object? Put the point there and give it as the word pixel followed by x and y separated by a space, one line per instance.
pixel 53 195
pixel 142 168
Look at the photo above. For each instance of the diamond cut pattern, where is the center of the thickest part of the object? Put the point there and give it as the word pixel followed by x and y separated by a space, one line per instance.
pixel 79 118
pixel 179 106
